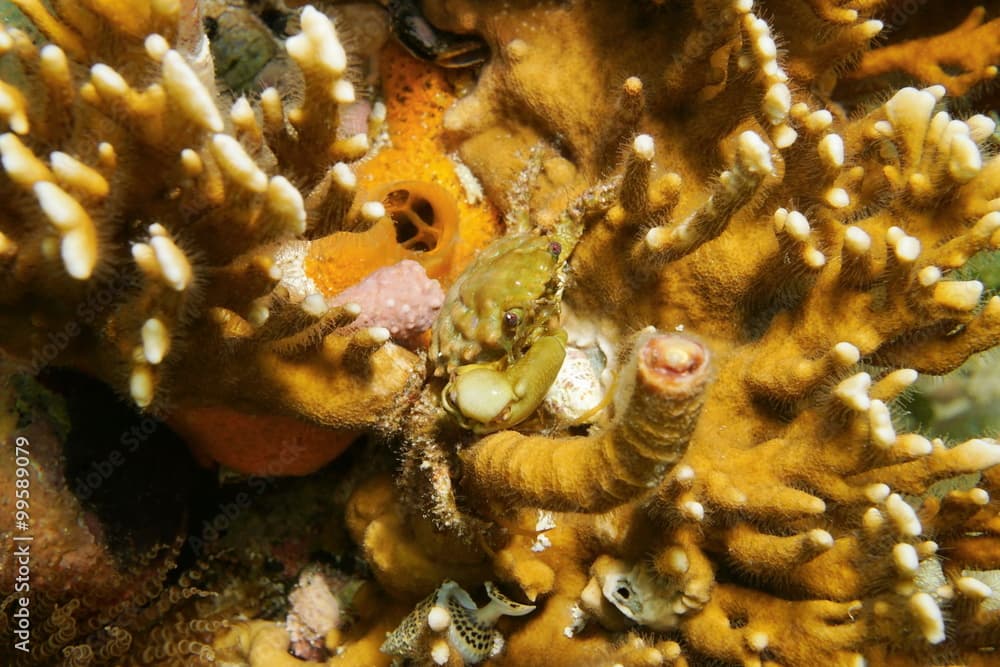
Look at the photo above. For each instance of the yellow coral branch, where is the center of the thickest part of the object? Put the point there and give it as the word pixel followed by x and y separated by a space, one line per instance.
pixel 972 45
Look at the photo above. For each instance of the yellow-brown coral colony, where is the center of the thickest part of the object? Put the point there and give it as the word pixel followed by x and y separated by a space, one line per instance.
pixel 656 421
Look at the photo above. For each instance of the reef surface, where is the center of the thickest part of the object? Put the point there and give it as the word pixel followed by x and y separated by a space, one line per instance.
pixel 500 332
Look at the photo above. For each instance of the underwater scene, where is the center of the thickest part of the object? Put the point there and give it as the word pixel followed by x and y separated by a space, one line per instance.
pixel 651 333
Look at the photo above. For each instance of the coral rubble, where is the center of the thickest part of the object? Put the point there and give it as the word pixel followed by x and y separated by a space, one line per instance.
pixel 661 412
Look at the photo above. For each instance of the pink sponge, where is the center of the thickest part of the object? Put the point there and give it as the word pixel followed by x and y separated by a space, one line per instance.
pixel 401 298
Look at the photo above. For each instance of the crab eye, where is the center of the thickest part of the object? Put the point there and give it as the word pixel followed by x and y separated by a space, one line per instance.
pixel 555 248
pixel 511 319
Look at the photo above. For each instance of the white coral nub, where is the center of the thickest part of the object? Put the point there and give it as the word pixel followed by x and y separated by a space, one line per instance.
pixel 162 259
pixel 903 516
pixel 643 147
pixel 141 386
pixel 71 172
pixel 235 162
pixel 317 46
pixel 79 236
pixel 831 150
pixel 155 340
pixel 958 295
pixel 21 165
pixel 929 617
pixel 190 95
pixel 753 154
pixel 854 391
pixel 286 203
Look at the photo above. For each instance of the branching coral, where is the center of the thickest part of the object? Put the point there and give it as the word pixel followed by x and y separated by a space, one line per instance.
pixel 971 48
pixel 762 508
pixel 814 255
pixel 155 247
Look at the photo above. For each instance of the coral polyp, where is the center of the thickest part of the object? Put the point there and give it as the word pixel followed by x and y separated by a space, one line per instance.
pixel 622 323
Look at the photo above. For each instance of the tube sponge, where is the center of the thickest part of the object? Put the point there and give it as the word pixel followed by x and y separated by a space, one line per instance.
pixel 657 402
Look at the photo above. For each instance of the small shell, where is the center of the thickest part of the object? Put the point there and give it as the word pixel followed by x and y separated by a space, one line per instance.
pixel 578 388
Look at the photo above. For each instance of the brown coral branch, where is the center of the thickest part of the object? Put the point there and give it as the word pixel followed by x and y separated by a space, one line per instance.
pixel 973 46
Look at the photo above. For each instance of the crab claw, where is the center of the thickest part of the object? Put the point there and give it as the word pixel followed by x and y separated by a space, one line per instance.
pixel 481 394
pixel 484 399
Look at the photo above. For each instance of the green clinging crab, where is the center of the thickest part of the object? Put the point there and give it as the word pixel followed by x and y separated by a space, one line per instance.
pixel 498 337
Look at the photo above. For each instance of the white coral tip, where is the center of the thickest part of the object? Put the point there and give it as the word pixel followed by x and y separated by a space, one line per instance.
pixel 846 354
pixel 907 249
pixel 643 147
pixel 372 210
pixel 910 107
pixel 979 496
pixel 62 210
pixel 156 47
pixel 324 48
pixel 853 391
pixel 172 262
pixel 837 198
pixel 976 454
pixel 239 166
pixel 79 252
pixel 315 305
pixel 973 588
pixel 757 641
pixel 818 121
pixel 929 275
pixel 440 652
pixel 343 92
pixel 286 201
pixel 754 154
pixel 981 127
pixel 937 91
pixel 813 258
pixel 107 81
pixel 883 435
pixel 913 445
pixel 877 493
pixel 141 386
pixel 684 473
pixel 797 226
pixel 857 240
pixel 242 113
pixel 928 617
pixel 189 94
pixel 820 538
pixel 155 340
pixel 777 103
pixel 693 510
pixel 903 516
pixel 960 295
pixel 872 519
pixel 964 159
pixel 871 28
pixel 831 150
pixel 904 557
